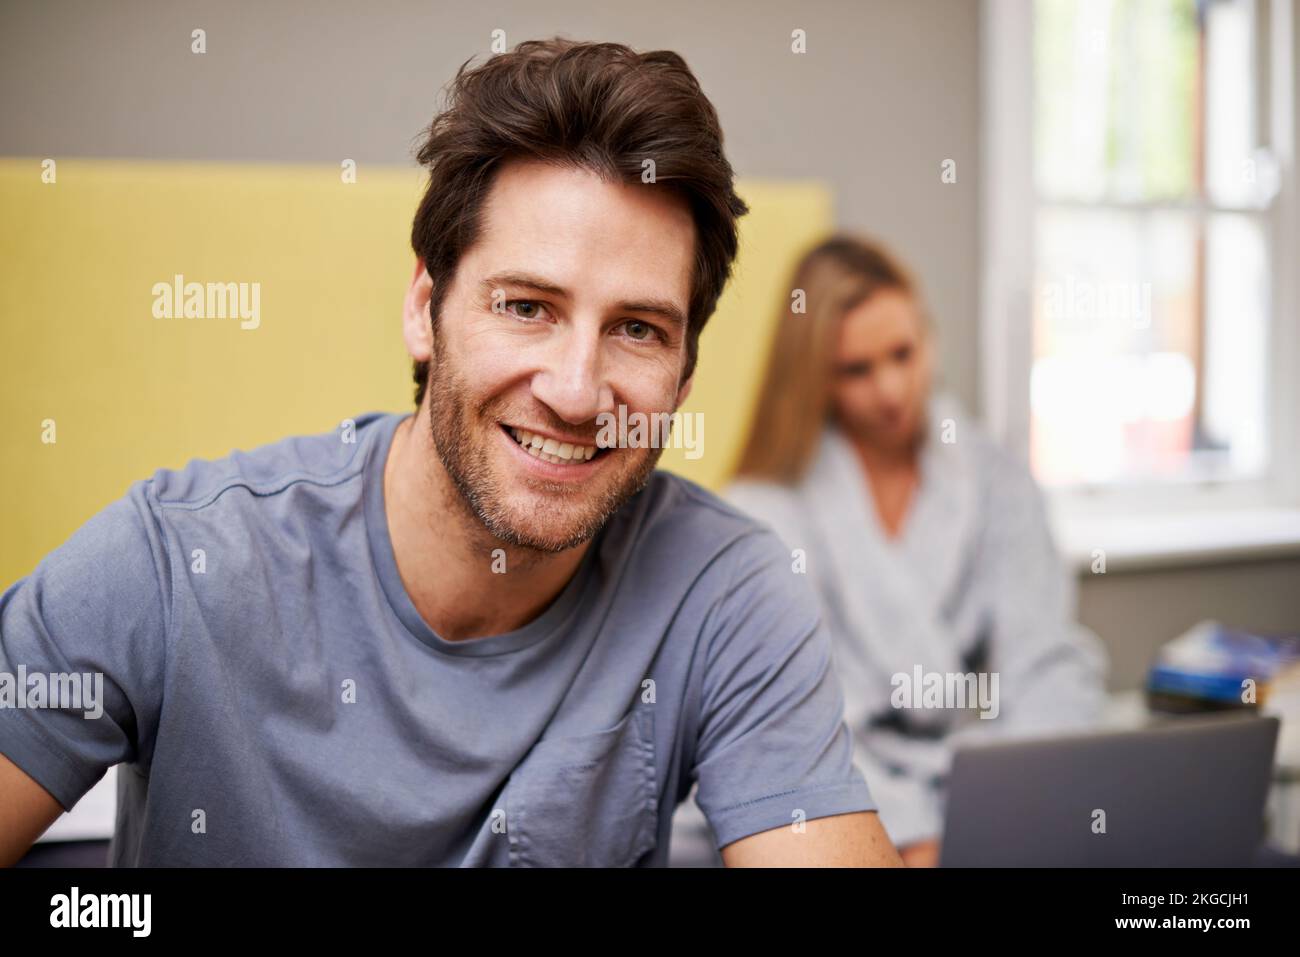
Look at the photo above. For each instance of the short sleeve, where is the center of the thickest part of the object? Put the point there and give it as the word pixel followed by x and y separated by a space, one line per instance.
pixel 82 646
pixel 773 748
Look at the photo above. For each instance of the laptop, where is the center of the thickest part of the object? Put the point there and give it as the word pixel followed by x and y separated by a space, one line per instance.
pixel 1186 793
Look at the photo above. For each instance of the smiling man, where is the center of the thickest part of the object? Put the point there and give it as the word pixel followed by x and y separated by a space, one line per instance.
pixel 481 634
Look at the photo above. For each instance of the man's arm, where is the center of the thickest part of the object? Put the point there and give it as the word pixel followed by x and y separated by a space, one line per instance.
pixel 774 759
pixel 94 611
pixel 26 810
pixel 842 840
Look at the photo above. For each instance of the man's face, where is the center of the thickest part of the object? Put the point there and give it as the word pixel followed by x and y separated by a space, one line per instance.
pixel 562 310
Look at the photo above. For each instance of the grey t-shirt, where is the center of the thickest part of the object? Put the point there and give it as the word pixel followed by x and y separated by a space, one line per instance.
pixel 275 698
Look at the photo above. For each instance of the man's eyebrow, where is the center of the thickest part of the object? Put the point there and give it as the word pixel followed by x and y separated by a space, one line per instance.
pixel 657 307
pixel 664 308
pixel 522 279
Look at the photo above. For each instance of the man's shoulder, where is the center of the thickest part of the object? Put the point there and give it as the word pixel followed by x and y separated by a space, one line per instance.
pixel 691 527
pixel 675 501
pixel 322 459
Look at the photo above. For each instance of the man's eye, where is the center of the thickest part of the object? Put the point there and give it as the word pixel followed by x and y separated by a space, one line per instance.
pixel 530 309
pixel 639 330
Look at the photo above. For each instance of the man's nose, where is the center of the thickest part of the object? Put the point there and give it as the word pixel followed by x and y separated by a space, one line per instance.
pixel 573 380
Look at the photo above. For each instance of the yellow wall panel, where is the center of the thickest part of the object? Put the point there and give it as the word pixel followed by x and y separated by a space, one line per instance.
pixel 130 393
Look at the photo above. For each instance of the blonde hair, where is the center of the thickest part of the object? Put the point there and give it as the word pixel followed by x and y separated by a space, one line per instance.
pixel 795 400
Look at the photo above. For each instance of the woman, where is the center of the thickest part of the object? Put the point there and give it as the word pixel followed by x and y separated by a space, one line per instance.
pixel 928 546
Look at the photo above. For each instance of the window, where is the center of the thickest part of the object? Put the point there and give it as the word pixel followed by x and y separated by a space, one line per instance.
pixel 1140 221
pixel 1154 191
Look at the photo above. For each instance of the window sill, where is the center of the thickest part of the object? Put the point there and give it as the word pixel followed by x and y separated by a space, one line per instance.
pixel 1150 540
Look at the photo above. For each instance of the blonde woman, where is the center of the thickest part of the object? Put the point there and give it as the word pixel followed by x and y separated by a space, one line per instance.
pixel 927 544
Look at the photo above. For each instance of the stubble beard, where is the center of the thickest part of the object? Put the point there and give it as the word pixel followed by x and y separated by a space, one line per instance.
pixel 552 526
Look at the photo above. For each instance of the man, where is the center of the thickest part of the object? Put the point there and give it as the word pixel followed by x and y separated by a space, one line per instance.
pixel 484 634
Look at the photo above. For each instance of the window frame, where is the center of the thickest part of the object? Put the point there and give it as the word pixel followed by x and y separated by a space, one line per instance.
pixel 1010 203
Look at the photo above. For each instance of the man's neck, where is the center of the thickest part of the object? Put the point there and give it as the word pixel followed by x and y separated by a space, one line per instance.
pixel 445 556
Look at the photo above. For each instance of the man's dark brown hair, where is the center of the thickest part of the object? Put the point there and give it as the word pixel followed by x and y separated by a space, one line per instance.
pixel 601 107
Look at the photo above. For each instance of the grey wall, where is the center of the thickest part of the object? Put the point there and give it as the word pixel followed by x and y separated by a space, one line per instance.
pixel 887 91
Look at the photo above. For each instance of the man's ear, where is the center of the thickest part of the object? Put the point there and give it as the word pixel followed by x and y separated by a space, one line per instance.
pixel 417 326
pixel 684 390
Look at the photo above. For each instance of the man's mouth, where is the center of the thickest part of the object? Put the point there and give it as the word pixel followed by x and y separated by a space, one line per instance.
pixel 553 450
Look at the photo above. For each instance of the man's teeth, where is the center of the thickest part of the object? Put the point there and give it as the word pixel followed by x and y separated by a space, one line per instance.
pixel 549 450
